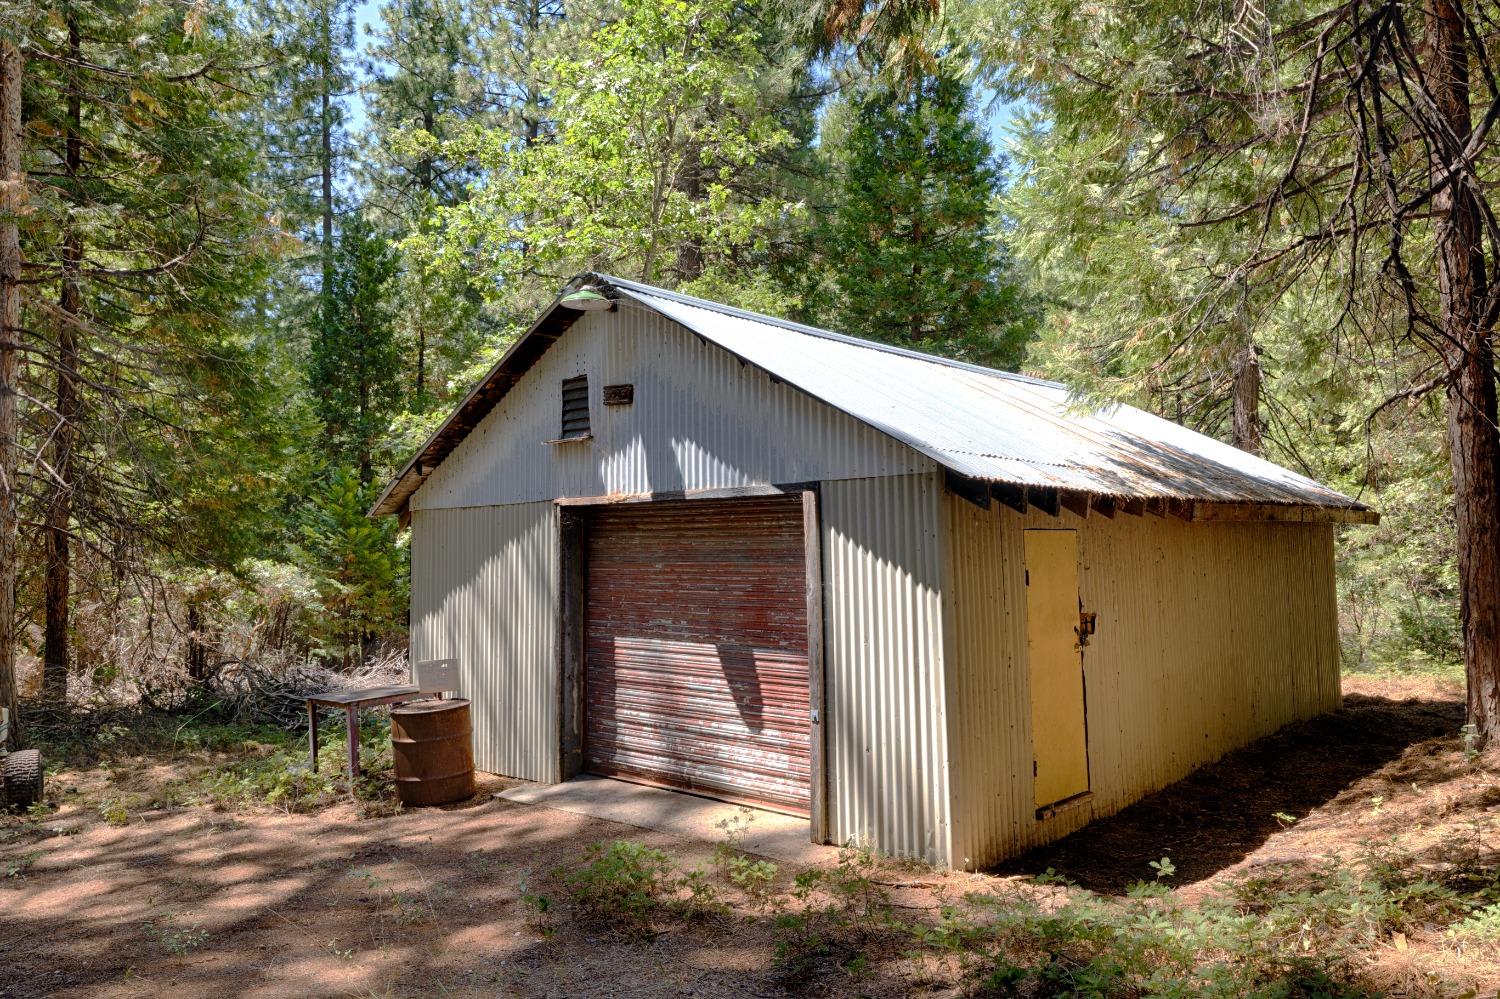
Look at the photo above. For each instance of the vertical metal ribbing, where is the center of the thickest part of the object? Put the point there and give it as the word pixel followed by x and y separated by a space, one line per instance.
pixel 484 591
pixel 700 420
pixel 1209 636
pixel 886 763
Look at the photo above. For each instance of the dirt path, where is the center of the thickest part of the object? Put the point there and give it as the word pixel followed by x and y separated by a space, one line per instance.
pixel 198 903
pixel 203 904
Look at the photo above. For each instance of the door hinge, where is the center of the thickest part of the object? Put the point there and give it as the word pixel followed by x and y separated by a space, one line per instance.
pixel 1028 577
pixel 1033 769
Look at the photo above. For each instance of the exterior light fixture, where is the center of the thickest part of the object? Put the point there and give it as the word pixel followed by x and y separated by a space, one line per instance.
pixel 587 299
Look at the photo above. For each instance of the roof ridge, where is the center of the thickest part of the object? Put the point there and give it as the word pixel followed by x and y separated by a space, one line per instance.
pixel 728 310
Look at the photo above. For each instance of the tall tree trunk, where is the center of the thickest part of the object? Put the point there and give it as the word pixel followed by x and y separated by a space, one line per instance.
pixel 690 250
pixel 325 131
pixel 426 180
pixel 10 364
pixel 58 583
pixel 1468 355
pixel 1245 368
pixel 197 655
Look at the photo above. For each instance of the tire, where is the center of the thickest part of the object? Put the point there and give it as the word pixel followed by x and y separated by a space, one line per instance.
pixel 23 779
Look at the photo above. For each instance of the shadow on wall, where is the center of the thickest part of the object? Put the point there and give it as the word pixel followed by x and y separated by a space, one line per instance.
pixel 743 680
pixel 1215 817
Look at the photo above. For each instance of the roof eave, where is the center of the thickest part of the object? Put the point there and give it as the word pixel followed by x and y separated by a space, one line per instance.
pixel 551 323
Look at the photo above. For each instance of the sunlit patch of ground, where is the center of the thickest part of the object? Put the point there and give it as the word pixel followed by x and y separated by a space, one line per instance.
pixel 127 890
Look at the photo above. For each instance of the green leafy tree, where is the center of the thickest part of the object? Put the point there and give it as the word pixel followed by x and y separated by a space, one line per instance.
pixel 1250 156
pixel 435 67
pixel 654 114
pixel 355 375
pixel 912 248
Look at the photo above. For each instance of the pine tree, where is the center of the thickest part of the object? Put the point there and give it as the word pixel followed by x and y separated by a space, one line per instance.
pixel 355 374
pixel 358 568
pixel 306 50
pixel 140 241
pixel 912 247
pixel 1196 158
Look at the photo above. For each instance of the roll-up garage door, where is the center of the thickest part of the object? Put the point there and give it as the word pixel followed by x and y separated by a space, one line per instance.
pixel 696 670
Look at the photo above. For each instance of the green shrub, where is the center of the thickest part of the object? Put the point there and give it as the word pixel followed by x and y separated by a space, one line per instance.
pixel 832 913
pixel 271 768
pixel 624 887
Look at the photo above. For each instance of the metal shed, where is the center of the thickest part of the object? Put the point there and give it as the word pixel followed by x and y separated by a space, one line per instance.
pixel 926 604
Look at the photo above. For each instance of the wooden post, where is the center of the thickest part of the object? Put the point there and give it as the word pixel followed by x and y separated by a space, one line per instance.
pixel 812 541
pixel 312 733
pixel 351 724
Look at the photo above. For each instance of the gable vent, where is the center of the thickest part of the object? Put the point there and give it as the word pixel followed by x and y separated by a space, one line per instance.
pixel 575 408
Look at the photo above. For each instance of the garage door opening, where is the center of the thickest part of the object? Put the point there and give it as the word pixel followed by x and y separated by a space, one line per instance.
pixel 695 671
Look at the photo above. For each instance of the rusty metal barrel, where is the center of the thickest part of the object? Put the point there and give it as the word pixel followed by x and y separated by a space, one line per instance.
pixel 433 752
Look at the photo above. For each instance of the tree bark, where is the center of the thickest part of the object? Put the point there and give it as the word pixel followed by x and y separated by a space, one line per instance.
pixel 325 130
pixel 426 181
pixel 1468 354
pixel 1245 369
pixel 10 365
pixel 58 582
pixel 197 655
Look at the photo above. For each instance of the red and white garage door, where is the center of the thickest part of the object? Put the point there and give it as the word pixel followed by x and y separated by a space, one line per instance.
pixel 696 669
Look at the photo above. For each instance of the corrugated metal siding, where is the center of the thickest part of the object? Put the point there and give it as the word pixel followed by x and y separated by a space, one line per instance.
pixel 1209 636
pixel 700 420
pixel 886 753
pixel 484 590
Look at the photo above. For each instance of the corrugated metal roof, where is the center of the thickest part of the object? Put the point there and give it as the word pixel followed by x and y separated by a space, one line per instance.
pixel 992 425
pixel 979 423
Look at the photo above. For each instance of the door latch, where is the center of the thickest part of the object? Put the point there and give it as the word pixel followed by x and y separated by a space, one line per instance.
pixel 1087 621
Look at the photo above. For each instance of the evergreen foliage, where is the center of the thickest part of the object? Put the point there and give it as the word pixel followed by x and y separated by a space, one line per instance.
pixel 245 301
pixel 911 248
pixel 357 566
pixel 355 370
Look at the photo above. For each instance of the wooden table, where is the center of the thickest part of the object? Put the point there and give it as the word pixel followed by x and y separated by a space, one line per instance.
pixel 351 701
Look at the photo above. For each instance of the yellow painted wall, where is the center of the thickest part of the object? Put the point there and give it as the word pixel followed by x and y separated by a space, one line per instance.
pixel 1210 635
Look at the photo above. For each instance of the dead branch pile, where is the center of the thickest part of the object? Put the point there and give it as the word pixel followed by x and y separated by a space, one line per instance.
pixel 274 692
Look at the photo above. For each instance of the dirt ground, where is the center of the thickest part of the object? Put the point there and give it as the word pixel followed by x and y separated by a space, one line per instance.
pixel 193 902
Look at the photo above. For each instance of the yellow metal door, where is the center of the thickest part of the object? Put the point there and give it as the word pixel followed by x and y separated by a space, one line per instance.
pixel 1058 734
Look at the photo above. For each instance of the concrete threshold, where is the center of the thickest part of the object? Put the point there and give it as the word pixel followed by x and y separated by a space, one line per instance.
pixel 770 834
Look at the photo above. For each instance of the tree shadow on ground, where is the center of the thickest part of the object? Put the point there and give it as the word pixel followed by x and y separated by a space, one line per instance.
pixel 1222 813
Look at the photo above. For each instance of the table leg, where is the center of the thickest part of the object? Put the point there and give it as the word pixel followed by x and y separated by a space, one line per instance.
pixel 351 722
pixel 312 733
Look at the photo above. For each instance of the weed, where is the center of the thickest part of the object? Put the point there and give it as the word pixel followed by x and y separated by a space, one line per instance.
pixel 703 899
pixel 832 913
pixel 271 769
pixel 404 907
pixel 1164 868
pixel 624 886
pixel 1482 926
pixel 539 915
pixel 114 812
pixel 18 867
pixel 1471 740
pixel 735 828
pixel 174 939
pixel 756 878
